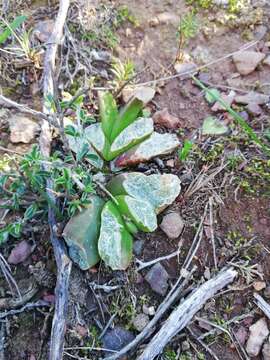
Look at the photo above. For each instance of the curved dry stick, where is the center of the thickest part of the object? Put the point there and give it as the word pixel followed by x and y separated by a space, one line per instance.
pixel 62 260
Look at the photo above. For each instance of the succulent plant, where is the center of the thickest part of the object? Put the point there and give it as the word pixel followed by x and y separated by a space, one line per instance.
pixel 104 230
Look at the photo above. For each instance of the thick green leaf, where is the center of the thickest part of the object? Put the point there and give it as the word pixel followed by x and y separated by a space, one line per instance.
pixel 212 126
pixel 108 112
pixel 95 136
pixel 131 110
pixel 115 242
pixel 79 143
pixel 132 135
pixel 81 234
pixel 140 212
pixel 158 190
pixel 156 145
pixel 13 26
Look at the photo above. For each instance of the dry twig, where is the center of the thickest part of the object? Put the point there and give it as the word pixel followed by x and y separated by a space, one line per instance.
pixel 262 304
pixel 62 260
pixel 181 316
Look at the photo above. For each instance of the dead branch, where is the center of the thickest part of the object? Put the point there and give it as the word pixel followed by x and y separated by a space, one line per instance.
pixel 12 303
pixel 28 306
pixel 142 265
pixel 149 329
pixel 27 110
pixel 181 316
pixel 262 304
pixel 62 260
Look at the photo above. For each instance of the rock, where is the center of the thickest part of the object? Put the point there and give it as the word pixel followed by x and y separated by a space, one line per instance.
pixel 164 118
pixel 129 92
pixel 202 55
pixel 22 129
pixel 185 67
pixel 43 30
pixel 138 247
pixel 117 338
pixel 241 334
pixel 157 277
pixel 254 109
pixel 170 163
pixel 267 60
pixel 20 253
pixel 165 18
pixel 266 351
pixel 260 32
pixel 140 321
pixel 149 310
pixel 172 224
pixel 228 100
pixel 247 61
pixel 252 98
pixel 156 145
pixel 259 285
pixel 258 333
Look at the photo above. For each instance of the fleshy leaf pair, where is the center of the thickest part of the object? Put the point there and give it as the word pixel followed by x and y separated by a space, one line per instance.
pixel 123 135
pixel 107 233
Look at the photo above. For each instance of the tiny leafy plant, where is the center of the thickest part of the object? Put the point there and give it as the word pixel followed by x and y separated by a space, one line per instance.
pixel 187 29
pixel 104 230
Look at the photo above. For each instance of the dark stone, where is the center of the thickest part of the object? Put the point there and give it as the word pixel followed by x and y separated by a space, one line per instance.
pixel 157 277
pixel 117 338
pixel 159 163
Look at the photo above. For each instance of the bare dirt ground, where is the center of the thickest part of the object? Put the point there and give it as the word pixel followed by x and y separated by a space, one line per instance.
pixel 241 212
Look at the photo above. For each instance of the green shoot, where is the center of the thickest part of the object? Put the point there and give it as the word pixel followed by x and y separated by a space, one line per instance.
pixel 123 72
pixel 184 152
pixel 238 119
pixel 17 22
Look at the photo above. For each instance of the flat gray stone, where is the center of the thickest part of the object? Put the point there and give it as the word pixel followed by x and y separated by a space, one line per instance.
pixel 247 61
pixel 252 98
pixel 157 277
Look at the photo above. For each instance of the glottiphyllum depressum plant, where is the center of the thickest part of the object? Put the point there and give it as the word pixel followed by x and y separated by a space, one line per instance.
pixel 103 230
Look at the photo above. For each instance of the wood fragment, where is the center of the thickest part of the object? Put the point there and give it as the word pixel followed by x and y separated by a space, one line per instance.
pixel 262 304
pixel 149 329
pixel 28 306
pixel 142 265
pixel 181 316
pixel 62 260
pixel 13 303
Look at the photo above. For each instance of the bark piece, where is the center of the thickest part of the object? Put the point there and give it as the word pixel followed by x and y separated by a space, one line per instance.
pixel 181 316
